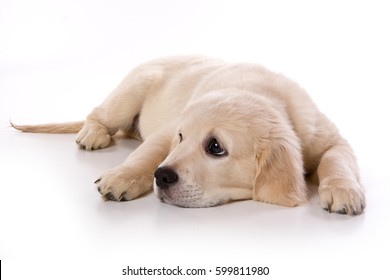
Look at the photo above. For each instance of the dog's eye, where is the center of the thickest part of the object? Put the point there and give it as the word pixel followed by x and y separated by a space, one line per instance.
pixel 180 137
pixel 214 148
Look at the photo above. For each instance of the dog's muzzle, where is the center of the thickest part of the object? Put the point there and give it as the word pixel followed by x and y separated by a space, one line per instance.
pixel 165 177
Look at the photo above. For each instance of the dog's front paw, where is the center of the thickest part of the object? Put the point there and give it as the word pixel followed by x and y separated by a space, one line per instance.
pixel 343 196
pixel 122 184
pixel 93 136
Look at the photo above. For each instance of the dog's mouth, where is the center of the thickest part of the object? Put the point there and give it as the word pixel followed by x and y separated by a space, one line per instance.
pixel 187 197
pixel 164 196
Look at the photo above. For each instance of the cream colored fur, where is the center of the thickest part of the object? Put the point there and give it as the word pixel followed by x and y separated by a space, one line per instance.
pixel 271 131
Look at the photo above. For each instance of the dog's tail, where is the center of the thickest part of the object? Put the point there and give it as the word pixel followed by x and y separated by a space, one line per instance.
pixel 69 127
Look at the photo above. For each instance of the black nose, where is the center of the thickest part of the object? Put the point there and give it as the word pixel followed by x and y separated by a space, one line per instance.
pixel 165 177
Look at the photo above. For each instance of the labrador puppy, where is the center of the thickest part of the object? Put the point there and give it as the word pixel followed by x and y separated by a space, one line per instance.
pixel 215 132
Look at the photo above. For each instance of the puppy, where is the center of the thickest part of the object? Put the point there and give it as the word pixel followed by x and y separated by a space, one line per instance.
pixel 215 132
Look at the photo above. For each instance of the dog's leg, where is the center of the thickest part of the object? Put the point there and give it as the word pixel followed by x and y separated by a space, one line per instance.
pixel 340 190
pixel 135 176
pixel 119 110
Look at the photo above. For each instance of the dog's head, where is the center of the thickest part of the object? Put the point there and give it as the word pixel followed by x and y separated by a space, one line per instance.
pixel 232 146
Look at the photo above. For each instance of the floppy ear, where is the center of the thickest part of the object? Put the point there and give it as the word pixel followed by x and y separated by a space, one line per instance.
pixel 280 173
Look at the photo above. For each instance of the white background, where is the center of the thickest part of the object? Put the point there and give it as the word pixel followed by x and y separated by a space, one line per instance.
pixel 59 59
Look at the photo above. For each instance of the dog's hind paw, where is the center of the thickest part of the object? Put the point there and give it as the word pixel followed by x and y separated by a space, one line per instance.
pixel 93 136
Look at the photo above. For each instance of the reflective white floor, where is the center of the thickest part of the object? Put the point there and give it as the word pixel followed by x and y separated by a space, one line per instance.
pixel 53 223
